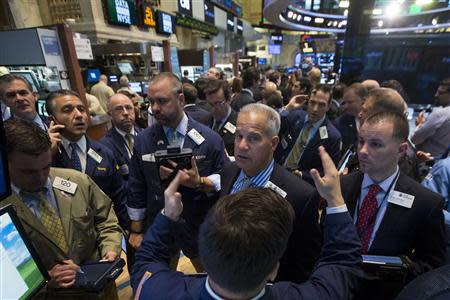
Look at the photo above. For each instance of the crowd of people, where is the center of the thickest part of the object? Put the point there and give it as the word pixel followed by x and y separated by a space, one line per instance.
pixel 292 185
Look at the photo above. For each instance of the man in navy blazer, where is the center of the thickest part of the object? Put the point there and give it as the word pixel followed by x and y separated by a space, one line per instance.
pixel 348 122
pixel 406 219
pixel 120 138
pixel 241 242
pixel 74 150
pixel 257 129
pixel 322 133
pixel 174 129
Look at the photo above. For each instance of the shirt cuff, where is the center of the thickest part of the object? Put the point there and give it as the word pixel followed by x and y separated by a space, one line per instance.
pixel 215 178
pixel 136 214
pixel 337 209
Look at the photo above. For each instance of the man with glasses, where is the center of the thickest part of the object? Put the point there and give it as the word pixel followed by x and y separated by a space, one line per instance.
pixel 224 117
pixel 433 134
pixel 18 95
pixel 173 128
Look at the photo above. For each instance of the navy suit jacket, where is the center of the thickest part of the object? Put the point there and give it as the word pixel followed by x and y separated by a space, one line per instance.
pixel 225 134
pixel 347 127
pixel 116 143
pixel 304 244
pixel 241 100
pixel 310 157
pixel 105 174
pixel 336 274
pixel 145 190
pixel 198 114
pixel 417 232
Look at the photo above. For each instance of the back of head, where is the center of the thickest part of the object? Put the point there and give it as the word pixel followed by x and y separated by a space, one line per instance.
pixel 370 84
pixel 201 84
pixel 8 78
pixel 398 121
pixel 273 118
pixel 25 137
pixel 338 91
pixel 274 77
pixel 385 99
pixel 236 86
pixel 104 78
pixel 314 75
pixel 123 81
pixel 250 75
pixel 243 237
pixel 190 93
pixel 274 100
pixel 305 85
pixel 214 85
pixel 359 89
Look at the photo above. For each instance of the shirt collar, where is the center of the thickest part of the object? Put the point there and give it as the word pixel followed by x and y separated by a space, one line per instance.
pixel 123 133
pixel 217 297
pixel 248 91
pixel 316 125
pixel 47 186
pixel 182 126
pixel 384 185
pixel 226 116
pixel 262 177
pixel 81 143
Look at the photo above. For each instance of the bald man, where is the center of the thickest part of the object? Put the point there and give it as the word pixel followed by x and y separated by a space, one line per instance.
pixel 102 91
pixel 370 84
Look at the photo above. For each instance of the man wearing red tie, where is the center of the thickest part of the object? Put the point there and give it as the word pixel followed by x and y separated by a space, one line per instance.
pixel 393 214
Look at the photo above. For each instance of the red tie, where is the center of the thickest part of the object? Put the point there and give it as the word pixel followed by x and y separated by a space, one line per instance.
pixel 367 216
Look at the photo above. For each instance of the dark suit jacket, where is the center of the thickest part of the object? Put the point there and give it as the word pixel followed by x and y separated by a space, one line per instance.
pixel 146 191
pixel 241 100
pixel 105 174
pixel 417 232
pixel 310 157
pixel 225 134
pixel 347 127
pixel 304 244
pixel 198 114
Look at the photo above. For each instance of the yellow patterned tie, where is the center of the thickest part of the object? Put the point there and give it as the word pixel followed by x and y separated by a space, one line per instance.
pixel 130 142
pixel 52 222
pixel 300 144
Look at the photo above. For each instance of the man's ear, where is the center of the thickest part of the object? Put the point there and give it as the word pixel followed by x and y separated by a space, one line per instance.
pixel 275 141
pixel 402 149
pixel 181 99
pixel 274 272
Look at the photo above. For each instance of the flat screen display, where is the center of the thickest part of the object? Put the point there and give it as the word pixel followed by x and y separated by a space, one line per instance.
pixel 25 275
pixel 93 75
pixel 262 61
pixel 125 68
pixel 276 38
pixel 5 188
pixel 113 78
pixel 136 87
pixel 165 23
pixel 275 49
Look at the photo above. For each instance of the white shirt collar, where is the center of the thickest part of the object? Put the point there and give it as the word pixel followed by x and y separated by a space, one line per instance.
pixel 81 143
pixel 217 297
pixel 123 133
pixel 248 91
pixel 384 185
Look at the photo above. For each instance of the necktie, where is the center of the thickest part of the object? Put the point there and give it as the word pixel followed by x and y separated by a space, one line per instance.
pixel 245 183
pixel 216 126
pixel 130 142
pixel 297 150
pixel 51 221
pixel 366 217
pixel 74 158
pixel 172 137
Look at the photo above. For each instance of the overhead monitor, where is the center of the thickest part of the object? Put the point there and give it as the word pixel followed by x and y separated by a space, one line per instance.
pixel 125 68
pixel 165 23
pixel 136 86
pixel 276 38
pixel 93 75
pixel 262 61
pixel 113 78
pixel 23 273
pixel 274 49
pixel 41 110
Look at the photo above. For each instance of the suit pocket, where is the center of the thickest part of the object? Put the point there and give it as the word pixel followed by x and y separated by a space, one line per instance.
pixel 84 234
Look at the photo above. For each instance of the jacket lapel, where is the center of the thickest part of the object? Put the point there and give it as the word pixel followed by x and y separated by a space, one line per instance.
pixel 119 142
pixel 353 191
pixel 91 164
pixel 227 183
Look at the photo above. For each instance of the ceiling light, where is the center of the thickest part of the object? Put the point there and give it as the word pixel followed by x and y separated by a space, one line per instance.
pixel 393 10
pixel 434 21
pixel 377 11
pixel 318 20
pixel 290 13
pixel 380 23
pixel 344 4
pixel 307 18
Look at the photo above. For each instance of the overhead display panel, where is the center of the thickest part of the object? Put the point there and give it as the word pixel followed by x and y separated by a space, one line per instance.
pixel 121 12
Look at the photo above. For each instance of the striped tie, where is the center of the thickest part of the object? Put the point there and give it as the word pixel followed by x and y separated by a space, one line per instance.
pixel 300 144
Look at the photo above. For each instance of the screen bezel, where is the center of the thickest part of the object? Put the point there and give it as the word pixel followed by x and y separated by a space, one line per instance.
pixel 4 162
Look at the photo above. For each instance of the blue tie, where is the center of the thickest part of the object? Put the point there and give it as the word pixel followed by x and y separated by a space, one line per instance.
pixel 74 158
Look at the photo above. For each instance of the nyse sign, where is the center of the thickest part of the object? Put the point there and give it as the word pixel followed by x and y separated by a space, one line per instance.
pixel 123 11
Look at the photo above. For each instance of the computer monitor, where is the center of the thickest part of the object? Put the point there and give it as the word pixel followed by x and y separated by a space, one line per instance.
pixel 125 68
pixel 23 273
pixel 5 187
pixel 41 110
pixel 136 87
pixel 93 75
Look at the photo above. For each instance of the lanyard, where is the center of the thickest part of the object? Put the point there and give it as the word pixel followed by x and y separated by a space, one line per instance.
pixel 374 217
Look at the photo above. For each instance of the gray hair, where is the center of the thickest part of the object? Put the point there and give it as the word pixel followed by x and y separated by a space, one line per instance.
pixel 273 118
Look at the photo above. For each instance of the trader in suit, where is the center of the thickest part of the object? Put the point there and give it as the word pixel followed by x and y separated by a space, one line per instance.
pixel 241 242
pixel 224 117
pixel 73 149
pixel 19 96
pixel 298 150
pixel 394 215
pixel 250 79
pixel 68 219
pixel 256 134
pixel 193 110
pixel 120 138
pixel 175 130
pixel 348 123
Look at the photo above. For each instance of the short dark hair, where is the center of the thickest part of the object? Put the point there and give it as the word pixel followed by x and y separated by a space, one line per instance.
pixel 236 85
pixel 398 120
pixel 274 76
pixel 8 78
pixel 338 90
pixel 386 99
pixel 190 93
pixel 445 82
pixel 324 88
pixel 215 84
pixel 250 75
pixel 185 72
pixel 25 137
pixel 50 105
pixel 305 84
pixel 243 237
pixel 275 100
pixel 201 84
pixel 359 89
